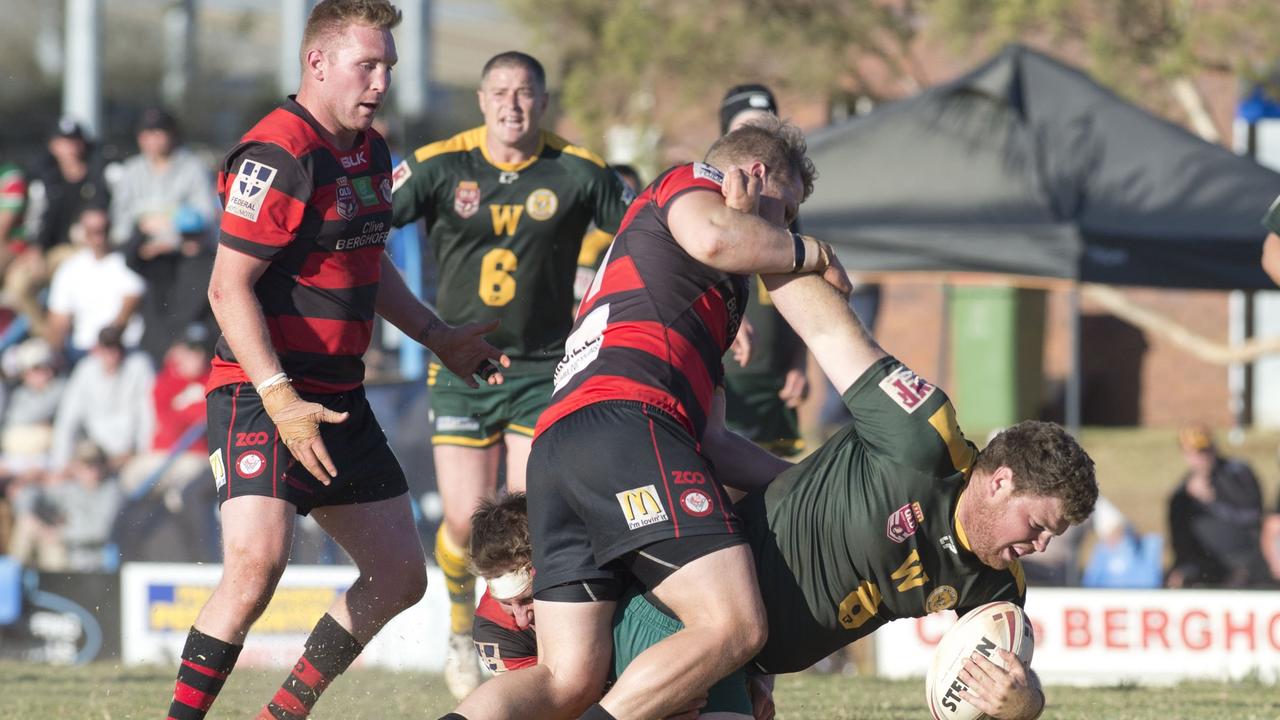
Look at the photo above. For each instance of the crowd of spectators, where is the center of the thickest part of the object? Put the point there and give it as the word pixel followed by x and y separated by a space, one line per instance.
pixel 105 341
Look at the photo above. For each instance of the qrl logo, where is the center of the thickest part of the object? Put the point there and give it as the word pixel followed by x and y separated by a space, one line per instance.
pixel 641 507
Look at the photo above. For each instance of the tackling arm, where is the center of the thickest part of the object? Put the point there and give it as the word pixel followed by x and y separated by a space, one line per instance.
pixel 740 463
pixel 728 240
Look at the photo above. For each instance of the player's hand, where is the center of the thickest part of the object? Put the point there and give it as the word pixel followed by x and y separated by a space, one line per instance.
pixel 760 689
pixel 742 343
pixel 795 388
pixel 1003 693
pixel 465 352
pixel 835 274
pixel 741 191
pixel 299 424
pixel 1271 257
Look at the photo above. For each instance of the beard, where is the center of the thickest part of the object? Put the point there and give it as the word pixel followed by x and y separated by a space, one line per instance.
pixel 981 533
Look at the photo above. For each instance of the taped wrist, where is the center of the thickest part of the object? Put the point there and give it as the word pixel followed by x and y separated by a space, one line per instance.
pixel 812 255
pixel 294 417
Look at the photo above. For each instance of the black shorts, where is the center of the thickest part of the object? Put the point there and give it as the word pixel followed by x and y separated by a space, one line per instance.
pixel 248 457
pixel 611 479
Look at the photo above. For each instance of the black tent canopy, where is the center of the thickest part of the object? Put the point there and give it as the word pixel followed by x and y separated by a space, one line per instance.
pixel 1027 166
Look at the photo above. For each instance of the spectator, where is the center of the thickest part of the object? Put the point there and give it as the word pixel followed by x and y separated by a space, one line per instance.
pixel 1215 518
pixel 93 290
pixel 13 206
pixel 68 182
pixel 1271 541
pixel 27 434
pixel 161 188
pixel 108 400
pixel 176 277
pixel 177 461
pixel 1121 558
pixel 64 524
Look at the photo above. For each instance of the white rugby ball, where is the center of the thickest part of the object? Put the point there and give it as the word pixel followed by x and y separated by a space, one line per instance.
pixel 995 625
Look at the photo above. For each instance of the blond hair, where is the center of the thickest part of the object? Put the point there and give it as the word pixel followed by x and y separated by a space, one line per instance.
pixel 332 16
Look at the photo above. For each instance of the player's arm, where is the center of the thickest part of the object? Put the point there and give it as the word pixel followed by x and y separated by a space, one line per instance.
pixel 1011 692
pixel 740 463
pixel 1271 257
pixel 462 349
pixel 732 241
pixel 825 322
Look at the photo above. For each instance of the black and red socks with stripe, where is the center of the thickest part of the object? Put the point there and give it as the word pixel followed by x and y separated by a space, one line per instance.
pixel 206 663
pixel 329 651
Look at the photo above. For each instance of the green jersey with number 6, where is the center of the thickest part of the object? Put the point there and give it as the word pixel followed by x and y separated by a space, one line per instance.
pixel 506 236
pixel 863 531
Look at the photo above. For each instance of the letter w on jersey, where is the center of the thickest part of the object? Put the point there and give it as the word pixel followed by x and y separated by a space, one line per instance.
pixel 250 190
pixel 906 388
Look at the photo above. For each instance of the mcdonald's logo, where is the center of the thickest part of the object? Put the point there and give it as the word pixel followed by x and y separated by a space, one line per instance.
pixel 641 507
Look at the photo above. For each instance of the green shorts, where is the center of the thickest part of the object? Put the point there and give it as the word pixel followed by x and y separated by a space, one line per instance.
pixel 638 625
pixel 754 410
pixel 477 417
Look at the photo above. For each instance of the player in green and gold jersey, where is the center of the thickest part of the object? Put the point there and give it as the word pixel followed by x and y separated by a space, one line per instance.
pixel 506 206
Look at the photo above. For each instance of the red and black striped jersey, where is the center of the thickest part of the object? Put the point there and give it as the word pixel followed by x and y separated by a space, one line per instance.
pixel 321 215
pixel 502 645
pixel 655 322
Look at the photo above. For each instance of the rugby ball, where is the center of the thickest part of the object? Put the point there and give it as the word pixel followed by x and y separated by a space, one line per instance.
pixel 996 625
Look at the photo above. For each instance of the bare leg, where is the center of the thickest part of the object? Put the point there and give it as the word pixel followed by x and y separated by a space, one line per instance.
pixel 518 447
pixel 256 535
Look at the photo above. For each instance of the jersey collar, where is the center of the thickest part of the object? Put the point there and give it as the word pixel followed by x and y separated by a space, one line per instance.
pixel 511 167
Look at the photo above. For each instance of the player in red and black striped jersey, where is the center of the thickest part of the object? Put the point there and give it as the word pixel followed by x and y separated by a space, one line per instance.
pixel 617 483
pixel 299 274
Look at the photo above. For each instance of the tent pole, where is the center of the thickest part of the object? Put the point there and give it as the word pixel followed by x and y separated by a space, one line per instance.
pixel 1071 411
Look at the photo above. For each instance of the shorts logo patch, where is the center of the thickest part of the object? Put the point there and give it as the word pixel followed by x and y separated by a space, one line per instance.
pixel 466 198
pixel 346 200
pixel 641 507
pixel 704 171
pixel 457 423
pixel 384 187
pixel 399 176
pixel 541 204
pixel 943 597
pixel 249 191
pixel 906 388
pixel 219 469
pixel 696 503
pixel 583 345
pixel 250 464
pixel 902 523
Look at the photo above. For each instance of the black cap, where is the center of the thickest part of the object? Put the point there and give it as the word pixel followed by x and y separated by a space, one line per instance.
pixel 745 97
pixel 156 118
pixel 196 335
pixel 68 127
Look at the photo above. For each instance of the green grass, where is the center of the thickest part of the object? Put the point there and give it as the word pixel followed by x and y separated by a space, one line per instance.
pixel 110 692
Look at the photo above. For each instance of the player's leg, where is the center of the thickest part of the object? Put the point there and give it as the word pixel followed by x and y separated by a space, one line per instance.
pixel 256 535
pixel 518 447
pixel 525 402
pixel 392 578
pixel 724 627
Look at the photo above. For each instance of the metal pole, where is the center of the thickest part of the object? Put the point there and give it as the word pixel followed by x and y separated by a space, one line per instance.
pixel 414 48
pixel 82 78
pixel 293 20
pixel 179 53
pixel 1071 409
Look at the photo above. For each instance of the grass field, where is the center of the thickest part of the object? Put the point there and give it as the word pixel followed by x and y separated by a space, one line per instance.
pixel 107 692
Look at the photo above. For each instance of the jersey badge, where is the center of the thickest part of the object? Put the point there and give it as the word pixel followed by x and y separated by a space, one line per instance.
pixel 249 191
pixel 384 187
pixel 466 198
pixel 943 597
pixel 541 204
pixel 508 177
pixel 491 656
pixel 345 203
pixel 250 464
pixel 904 522
pixel 400 175
pixel 364 189
pixel 696 503
pixel 641 507
pixel 706 172
pixel 948 543
pixel 219 469
pixel 906 388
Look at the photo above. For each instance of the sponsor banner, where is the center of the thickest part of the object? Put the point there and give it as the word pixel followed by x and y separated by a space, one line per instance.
pixel 160 601
pixel 1105 637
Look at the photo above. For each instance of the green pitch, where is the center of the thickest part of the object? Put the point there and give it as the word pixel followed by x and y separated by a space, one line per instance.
pixel 107 692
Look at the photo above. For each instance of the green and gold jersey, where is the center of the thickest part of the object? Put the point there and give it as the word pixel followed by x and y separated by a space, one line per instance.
pixel 507 236
pixel 863 531
pixel 773 345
